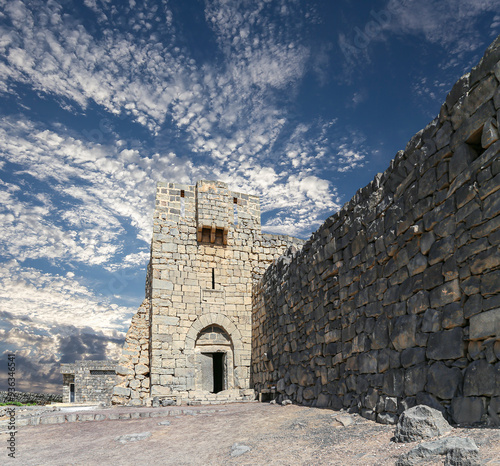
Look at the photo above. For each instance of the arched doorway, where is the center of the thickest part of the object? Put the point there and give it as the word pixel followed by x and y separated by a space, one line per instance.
pixel 214 360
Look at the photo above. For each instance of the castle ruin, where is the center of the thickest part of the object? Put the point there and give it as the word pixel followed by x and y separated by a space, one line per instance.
pixel 191 339
pixel 393 301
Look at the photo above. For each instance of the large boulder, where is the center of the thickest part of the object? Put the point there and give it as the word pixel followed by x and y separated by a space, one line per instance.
pixel 458 451
pixel 420 422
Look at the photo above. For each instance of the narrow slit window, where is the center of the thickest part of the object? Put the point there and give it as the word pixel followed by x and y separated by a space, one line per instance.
pixel 213 279
pixel 235 210
pixel 183 206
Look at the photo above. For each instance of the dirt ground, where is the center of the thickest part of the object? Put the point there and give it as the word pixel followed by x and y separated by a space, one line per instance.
pixel 276 435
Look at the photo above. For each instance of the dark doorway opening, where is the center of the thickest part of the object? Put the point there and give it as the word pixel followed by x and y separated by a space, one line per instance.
pixel 71 392
pixel 218 372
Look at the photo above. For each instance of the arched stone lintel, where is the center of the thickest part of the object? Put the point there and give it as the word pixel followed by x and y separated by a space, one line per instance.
pixel 220 320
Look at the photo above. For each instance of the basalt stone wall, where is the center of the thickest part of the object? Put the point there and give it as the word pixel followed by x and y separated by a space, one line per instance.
pixel 395 300
pixel 28 397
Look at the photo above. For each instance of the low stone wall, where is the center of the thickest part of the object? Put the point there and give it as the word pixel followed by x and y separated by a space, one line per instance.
pixel 27 397
pixel 395 300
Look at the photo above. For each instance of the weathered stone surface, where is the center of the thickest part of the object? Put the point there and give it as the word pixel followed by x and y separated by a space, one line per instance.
pixel 467 410
pixel 424 398
pixel 367 363
pixel 433 276
pixel 420 422
pixel 370 399
pixel 141 369
pixel 447 344
pixel 490 133
pixel 443 248
pixel 461 159
pixel 457 451
pixel 344 419
pixel 387 418
pixel 431 321
pixel 403 334
pixel 491 205
pixel 412 356
pixel 133 437
pixel 394 382
pixel 453 316
pixel 443 381
pixel 445 294
pixel 380 335
pixel 426 242
pixel 417 264
pixel 238 449
pixel 121 391
pixel 54 419
pixel 458 90
pixel 490 282
pixel 485 324
pixel 479 379
pixel 473 306
pixel 472 126
pixel 419 302
pixel 415 379
pixel 480 93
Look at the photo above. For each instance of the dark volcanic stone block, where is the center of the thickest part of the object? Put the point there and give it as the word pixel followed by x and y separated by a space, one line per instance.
pixel 443 381
pixel 448 344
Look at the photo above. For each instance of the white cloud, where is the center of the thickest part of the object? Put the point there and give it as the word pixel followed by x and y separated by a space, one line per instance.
pixel 98 192
pixel 47 319
pixel 44 298
pixel 63 59
pixel 450 23
pixel 233 114
pixel 454 26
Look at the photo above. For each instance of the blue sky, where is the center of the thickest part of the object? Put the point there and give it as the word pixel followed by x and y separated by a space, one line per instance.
pixel 299 102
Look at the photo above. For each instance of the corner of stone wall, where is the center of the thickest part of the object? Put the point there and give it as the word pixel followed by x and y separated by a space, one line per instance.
pixel 132 380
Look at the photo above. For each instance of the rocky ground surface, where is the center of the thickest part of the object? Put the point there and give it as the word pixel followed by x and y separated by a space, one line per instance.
pixel 243 434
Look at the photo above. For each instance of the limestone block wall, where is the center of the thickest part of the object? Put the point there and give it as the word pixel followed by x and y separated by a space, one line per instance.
pixel 206 250
pixel 395 300
pixel 132 380
pixel 201 275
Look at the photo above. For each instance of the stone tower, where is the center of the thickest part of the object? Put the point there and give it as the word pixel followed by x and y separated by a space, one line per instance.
pixel 191 338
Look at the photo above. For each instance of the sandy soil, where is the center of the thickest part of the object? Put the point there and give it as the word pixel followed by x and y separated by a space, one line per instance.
pixel 276 435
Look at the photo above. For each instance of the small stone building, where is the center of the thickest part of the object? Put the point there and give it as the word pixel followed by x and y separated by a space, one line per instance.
pixel 191 338
pixel 88 381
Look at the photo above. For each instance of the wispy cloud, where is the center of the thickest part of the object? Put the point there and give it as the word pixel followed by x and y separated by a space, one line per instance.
pixel 234 115
pixel 451 24
pixel 454 26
